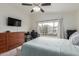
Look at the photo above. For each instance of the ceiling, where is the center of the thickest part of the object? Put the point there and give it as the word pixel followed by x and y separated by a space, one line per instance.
pixel 57 7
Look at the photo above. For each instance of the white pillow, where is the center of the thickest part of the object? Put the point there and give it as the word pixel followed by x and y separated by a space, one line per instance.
pixel 76 33
pixel 74 38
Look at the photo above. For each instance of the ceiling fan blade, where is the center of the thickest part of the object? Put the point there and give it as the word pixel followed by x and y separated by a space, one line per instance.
pixel 27 4
pixel 45 4
pixel 32 11
pixel 42 10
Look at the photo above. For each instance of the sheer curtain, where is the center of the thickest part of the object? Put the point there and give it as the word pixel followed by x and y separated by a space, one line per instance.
pixel 51 27
pixel 61 28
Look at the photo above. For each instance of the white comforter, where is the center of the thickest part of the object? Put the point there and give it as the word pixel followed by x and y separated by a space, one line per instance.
pixel 46 46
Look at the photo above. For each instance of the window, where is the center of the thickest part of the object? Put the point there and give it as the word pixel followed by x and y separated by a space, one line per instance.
pixel 48 27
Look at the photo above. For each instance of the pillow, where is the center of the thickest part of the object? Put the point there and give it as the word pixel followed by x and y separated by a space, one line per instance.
pixel 74 38
pixel 75 33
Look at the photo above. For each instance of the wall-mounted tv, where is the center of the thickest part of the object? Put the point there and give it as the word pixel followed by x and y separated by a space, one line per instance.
pixel 14 22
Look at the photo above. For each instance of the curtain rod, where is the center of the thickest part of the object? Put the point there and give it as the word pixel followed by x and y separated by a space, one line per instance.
pixel 49 20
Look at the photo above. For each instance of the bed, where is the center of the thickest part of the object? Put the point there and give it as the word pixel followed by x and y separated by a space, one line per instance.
pixel 48 46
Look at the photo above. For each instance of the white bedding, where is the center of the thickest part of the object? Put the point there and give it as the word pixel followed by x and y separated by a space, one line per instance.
pixel 46 46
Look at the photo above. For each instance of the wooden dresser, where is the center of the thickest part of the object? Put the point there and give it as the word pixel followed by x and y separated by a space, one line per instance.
pixel 10 40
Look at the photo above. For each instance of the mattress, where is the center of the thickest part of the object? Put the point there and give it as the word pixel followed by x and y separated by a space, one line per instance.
pixel 47 46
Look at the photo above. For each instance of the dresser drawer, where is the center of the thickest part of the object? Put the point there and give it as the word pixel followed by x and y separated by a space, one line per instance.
pixel 10 40
pixel 1 40
pixel 2 43
pixel 2 35
pixel 3 49
pixel 12 46
pixel 3 46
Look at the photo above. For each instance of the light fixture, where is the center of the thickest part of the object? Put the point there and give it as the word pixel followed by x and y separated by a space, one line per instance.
pixel 36 8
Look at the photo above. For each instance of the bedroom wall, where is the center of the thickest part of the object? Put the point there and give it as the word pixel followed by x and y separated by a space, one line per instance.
pixel 10 10
pixel 77 17
pixel 69 19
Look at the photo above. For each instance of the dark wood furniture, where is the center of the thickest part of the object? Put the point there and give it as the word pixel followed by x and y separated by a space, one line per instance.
pixel 70 32
pixel 10 40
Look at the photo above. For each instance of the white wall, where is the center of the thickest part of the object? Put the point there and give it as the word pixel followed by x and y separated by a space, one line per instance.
pixel 29 22
pixel 9 10
pixel 69 19
pixel 77 17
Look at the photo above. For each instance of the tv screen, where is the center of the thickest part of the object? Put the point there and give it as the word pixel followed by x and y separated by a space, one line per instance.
pixel 14 22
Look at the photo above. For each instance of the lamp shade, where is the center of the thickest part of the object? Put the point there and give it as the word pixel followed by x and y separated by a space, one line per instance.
pixel 36 9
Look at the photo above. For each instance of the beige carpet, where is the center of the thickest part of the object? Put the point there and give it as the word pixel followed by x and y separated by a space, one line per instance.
pixel 13 52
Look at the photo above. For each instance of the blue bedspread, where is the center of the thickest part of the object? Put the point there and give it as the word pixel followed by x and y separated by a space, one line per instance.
pixel 46 46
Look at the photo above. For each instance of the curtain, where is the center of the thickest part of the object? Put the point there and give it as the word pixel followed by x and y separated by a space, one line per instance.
pixel 51 27
pixel 48 27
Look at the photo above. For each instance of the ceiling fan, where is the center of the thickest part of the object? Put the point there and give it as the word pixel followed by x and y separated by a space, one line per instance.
pixel 37 6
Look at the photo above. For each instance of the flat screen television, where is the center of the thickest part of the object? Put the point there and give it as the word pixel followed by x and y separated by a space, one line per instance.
pixel 14 22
